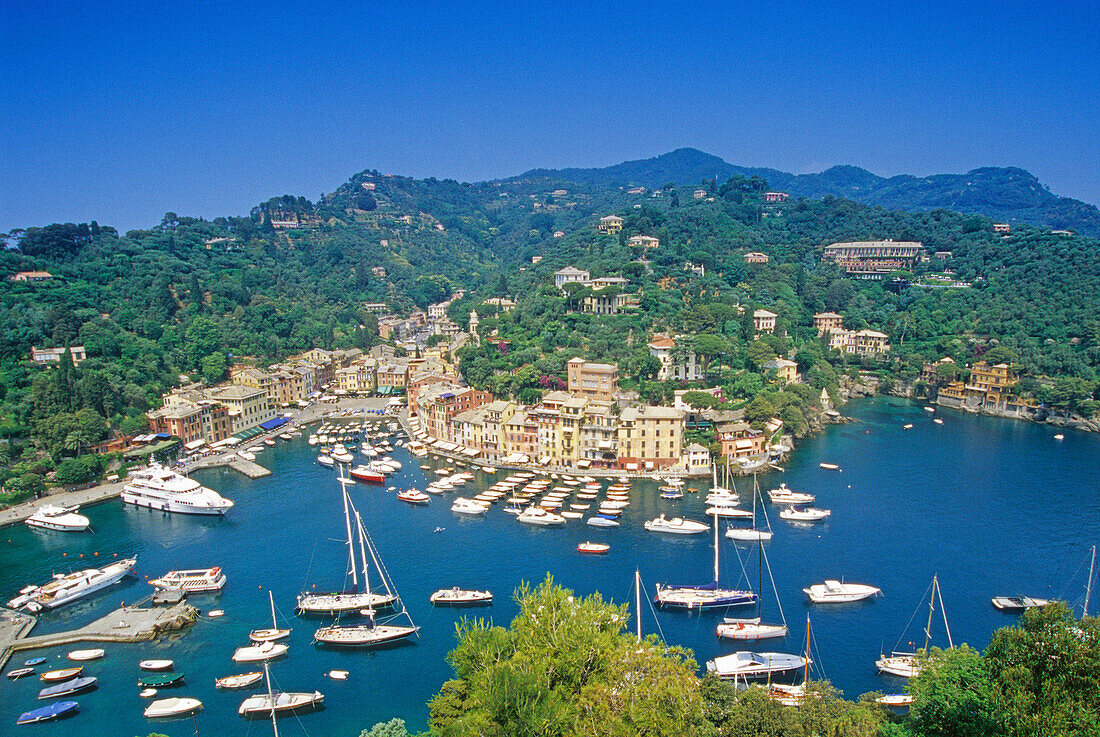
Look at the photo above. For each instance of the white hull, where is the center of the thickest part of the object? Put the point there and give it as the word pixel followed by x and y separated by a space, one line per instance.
pixel 65 589
pixel 748 534
pixel 60 519
pixel 362 635
pixel 337 603
pixel 834 592
pixel 749 630
pixel 168 505
pixel 258 653
pixel 903 666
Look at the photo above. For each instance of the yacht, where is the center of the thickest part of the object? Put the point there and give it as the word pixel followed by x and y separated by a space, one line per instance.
pixel 462 505
pixel 535 515
pixel 413 496
pixel 676 526
pixel 835 592
pixel 1018 603
pixel 53 517
pixel 263 705
pixel 783 495
pixel 164 489
pixel 193 582
pixel 755 665
pixel 261 652
pixel 172 707
pixel 460 597
pixel 65 588
pixel 807 514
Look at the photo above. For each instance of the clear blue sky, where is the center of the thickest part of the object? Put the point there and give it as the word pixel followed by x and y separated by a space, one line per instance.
pixel 121 112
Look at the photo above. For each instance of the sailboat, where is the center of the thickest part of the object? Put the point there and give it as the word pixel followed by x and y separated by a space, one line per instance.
pixel 273 632
pixel 794 695
pixel 345 601
pixel 754 628
pixel 276 703
pixel 372 633
pixel 907 665
pixel 752 534
pixel 704 596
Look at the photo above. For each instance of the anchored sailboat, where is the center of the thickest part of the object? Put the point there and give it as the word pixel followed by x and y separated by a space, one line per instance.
pixel 272 633
pixel 752 534
pixel 704 596
pixel 754 628
pixel 907 665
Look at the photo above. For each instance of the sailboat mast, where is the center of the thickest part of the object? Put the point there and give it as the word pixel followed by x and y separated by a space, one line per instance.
pixel 715 549
pixel 1088 586
pixel 271 598
pixel 638 600
pixel 931 611
pixel 271 699
pixel 363 555
pixel 351 545
pixel 806 674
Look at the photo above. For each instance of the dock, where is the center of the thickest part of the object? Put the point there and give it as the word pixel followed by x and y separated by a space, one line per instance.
pixel 248 468
pixel 128 624
pixel 80 497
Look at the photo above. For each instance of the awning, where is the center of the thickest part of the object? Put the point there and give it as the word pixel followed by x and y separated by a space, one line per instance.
pixel 649 465
pixel 632 467
pixel 545 461
pixel 194 444
pixel 472 452
pixel 742 444
pixel 272 424
pixel 162 435
pixel 584 464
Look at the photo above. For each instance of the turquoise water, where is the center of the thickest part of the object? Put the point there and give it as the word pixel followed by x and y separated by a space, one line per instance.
pixel 993 506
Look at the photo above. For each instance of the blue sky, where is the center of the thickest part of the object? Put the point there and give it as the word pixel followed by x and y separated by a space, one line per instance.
pixel 121 112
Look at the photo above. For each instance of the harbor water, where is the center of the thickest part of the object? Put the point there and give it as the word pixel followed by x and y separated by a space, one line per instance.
pixel 991 506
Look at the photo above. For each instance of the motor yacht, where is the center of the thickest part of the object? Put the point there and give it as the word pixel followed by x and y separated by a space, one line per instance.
pixel 54 517
pixel 165 490
pixel 65 588
pixel 835 592
pixel 676 526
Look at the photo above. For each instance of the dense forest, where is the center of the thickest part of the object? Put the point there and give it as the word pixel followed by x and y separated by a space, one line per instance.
pixel 192 297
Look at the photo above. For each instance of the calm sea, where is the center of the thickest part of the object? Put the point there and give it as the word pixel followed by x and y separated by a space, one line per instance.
pixel 992 506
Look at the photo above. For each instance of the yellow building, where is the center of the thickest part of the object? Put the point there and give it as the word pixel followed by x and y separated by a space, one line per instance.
pixel 610 224
pixel 595 380
pixel 826 321
pixel 786 371
pixel 991 380
pixel 650 437
pixel 248 407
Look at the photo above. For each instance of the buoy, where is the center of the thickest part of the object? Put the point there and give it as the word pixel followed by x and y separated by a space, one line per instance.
pixel 96 553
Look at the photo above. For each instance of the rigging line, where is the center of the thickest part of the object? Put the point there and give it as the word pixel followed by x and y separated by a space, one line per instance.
pixel 744 573
pixel 775 590
pixel 653 611
pixel 815 651
pixel 1069 583
pixel 943 609
pixel 309 567
pixel 911 618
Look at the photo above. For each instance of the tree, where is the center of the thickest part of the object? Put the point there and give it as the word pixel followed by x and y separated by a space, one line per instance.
pixel 708 346
pixel 213 367
pixel 700 400
pixel 759 411
pixel 392 728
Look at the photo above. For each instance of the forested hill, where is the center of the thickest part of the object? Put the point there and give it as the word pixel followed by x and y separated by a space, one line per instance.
pixel 1003 193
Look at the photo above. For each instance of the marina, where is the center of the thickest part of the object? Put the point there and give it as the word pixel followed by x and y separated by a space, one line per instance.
pixel 903 509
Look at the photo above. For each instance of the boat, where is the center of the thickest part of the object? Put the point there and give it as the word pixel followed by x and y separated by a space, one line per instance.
pixel 1059 436
pixel 728 512
pixel 68 587
pixel 215 613
pixel 372 633
pixel 599 521
pixel 784 495
pixel 750 665
pixel 591 548
pixel 907 665
pixel 752 534
pixel 895 699
pixel 272 633
pixel 929 409
pixel 795 695
pixel 414 496
pixel 535 515
pixel 147 693
pixel 54 517
pixel 63 674
pixel 1018 603
pixel 835 592
pixel 808 514
pixel 34 661
pixel 672 493
pixel 755 628
pixel 344 601
pixel 341 454
pixel 326 460
pixel 907 427
pixel 68 688
pixel 263 651
pixel 242 680
pixel 704 596
pixel 675 526
pixel 829 466
pixel 173 707
pixel 20 673
pixel 80 655
pixel 195 581
pixel 160 680
pixel 48 713
pixel 155 665
pixel 460 597
pixel 462 505
pixel 163 489
pixel 269 442
pixel 280 703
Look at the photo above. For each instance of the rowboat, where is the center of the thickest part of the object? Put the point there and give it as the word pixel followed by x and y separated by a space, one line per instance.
pixel 155 665
pixel 48 713
pixel 78 655
pixel 68 688
pixel 590 548
pixel 19 673
pixel 242 680
pixel 61 675
pixel 160 680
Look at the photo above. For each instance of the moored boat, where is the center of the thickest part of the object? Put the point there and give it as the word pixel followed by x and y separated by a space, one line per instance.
pixel 48 713
pixel 280 703
pixel 160 680
pixel 414 496
pixel 784 495
pixel 460 597
pixel 535 515
pixel 54 517
pixel 835 592
pixel 173 707
pixel 462 505
pixel 241 680
pixel 155 665
pixel 260 652
pixel 163 489
pixel 675 525
pixel 1018 603
pixel 66 588
pixel 807 514
pixel 68 688
pixel 750 665
pixel 80 655
pixel 20 673
pixel 63 674
pixel 591 548
pixel 195 581
pixel 272 633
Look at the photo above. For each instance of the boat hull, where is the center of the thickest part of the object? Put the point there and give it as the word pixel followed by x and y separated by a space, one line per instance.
pixel 362 636
pixel 168 505
pixel 329 604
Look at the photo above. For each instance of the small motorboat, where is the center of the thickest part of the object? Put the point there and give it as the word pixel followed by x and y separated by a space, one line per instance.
pixel 260 652
pixel 462 505
pixel 147 693
pixel 48 713
pixel 156 665
pixel 1018 603
pixel 835 592
pixel 895 699
pixel 161 680
pixel 460 597
pixel 338 675
pixel 94 654
pixel 242 680
pixel 784 495
pixel 829 466
pixel 599 521
pixel 173 707
pixel 215 613
pixel 938 421
pixel 325 460
pixel 20 673
pixel 591 548
pixel 676 526
pixel 535 515
pixel 56 676
pixel 54 517
pixel 808 514
pixel 728 512
pixel 907 427
pixel 68 688
pixel 31 662
pixel 414 496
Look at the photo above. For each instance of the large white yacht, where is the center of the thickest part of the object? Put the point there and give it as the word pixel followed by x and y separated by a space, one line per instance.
pixel 65 588
pixel 162 488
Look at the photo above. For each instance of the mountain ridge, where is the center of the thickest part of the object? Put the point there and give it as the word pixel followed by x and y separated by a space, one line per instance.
pixel 1012 194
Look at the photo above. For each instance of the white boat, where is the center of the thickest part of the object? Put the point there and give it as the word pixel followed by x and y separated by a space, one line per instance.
pixel 462 505
pixel 795 695
pixel 675 526
pixel 705 596
pixel 748 665
pixel 535 515
pixel 338 675
pixel 194 581
pixel 345 601
pixel 783 495
pixel 68 587
pixel 895 699
pixel 751 628
pixel 272 633
pixel 155 665
pixel 172 707
pixel 809 514
pixel 1059 436
pixel 81 655
pixel 148 693
pixel 261 652
pixel 754 533
pixel 163 489
pixel 907 665
pixel 280 703
pixel 460 597
pixel 54 517
pixel 598 521
pixel 326 460
pixel 829 466
pixel 835 592
pixel 728 512
pixel 414 496
pixel 241 680
pixel 591 548
pixel 1018 603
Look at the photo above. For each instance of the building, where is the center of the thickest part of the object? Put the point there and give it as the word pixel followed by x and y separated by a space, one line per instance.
pixel 643 241
pixel 375 308
pixel 650 438
pixel 755 257
pixel 697 269
pixel 570 274
pixel 826 321
pixel 942 255
pixel 678 361
pixel 776 196
pixel 356 378
pixel 595 380
pixel 247 406
pixel 930 373
pixel 502 303
pixel 436 404
pixel 438 311
pixel 608 304
pixel 610 224
pixel 874 259
pixel 1003 228
pixel 31 276
pixel 859 342
pixel 699 194
pixel 53 355
pixel 786 371
pixel 379 271
pixel 991 381
pixel 763 321
pixel 739 440
pixel 192 420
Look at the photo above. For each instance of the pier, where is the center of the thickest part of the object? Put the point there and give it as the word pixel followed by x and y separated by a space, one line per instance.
pixel 80 497
pixel 128 624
